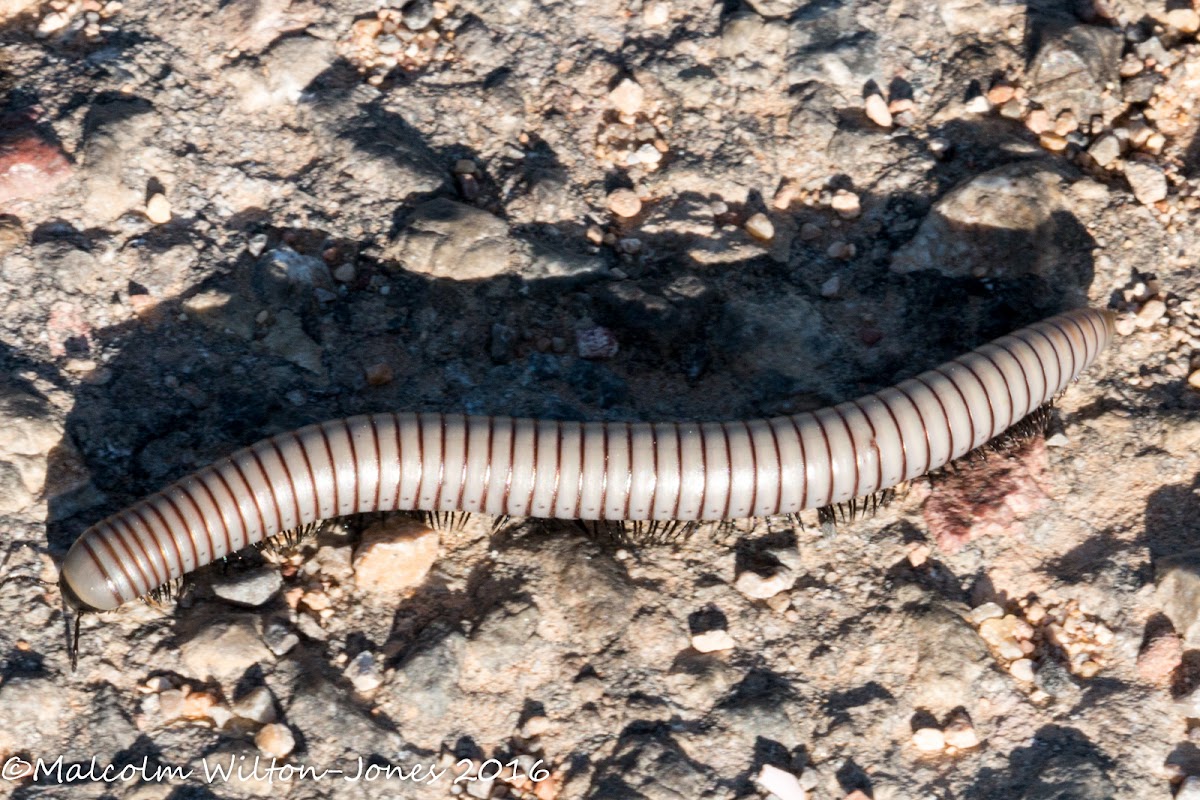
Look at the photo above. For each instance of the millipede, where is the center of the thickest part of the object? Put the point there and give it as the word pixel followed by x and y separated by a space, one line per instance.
pixel 639 472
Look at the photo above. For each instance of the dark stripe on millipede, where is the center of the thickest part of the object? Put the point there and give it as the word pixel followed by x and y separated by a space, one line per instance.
pixel 533 467
pixel 441 462
pixel 262 520
pixel 208 531
pixel 753 470
pixel 983 388
pixel 1096 329
pixel 236 506
pixel 354 463
pixel 604 474
pixel 728 471
pixel 582 457
pixel 803 459
pixel 312 476
pixel 291 480
pixel 462 481
pixel 487 467
pixel 703 469
pixel 1046 390
pixel 828 456
pixel 157 540
pixel 109 583
pixel 945 414
pixel 337 505
pixel 378 462
pixel 853 446
pixel 778 466
pixel 962 396
pixel 679 465
pixel 1012 401
pixel 629 474
pixel 1024 378
pixel 924 426
pixel 899 436
pixel 653 471
pixel 512 456
pixel 558 440
pixel 270 484
pixel 183 523
pixel 875 447
pixel 398 435
pixel 420 420
pixel 226 522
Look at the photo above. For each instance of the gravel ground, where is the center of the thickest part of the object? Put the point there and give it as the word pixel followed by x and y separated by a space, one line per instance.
pixel 223 221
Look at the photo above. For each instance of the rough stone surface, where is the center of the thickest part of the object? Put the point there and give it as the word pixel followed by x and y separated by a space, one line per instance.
pixel 394 556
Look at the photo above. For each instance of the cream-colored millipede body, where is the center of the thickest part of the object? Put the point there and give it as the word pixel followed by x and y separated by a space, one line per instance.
pixel 589 470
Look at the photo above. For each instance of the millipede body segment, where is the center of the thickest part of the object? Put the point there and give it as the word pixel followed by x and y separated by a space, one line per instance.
pixel 581 470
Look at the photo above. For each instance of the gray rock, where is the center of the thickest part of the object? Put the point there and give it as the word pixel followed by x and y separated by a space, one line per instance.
pixel 288 340
pixel 224 648
pixel 446 239
pixel 1177 592
pixel 1148 181
pixel 33 709
pixel 1105 150
pixel 27 426
pixel 1003 223
pixel 116 134
pixel 1073 67
pixel 417 14
pixel 285 71
pixel 986 18
pixel 14 495
pixel 250 589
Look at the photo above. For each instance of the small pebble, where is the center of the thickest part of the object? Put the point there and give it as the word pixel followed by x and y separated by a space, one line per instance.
pixel 985 612
pixel 877 109
pixel 846 204
pixel 809 231
pixel 627 97
pixel 258 705
pixel 596 343
pixel 158 209
pixel 831 287
pixel 713 641
pixel 960 733
pixel 363 673
pixel 394 555
pixel 781 783
pixel 1150 313
pixel 345 273
pixel 1022 670
pixel 275 740
pixel 624 203
pixel 656 13
pixel 929 740
pixel 756 587
pixel 379 374
pixel 760 227
pixel 1194 380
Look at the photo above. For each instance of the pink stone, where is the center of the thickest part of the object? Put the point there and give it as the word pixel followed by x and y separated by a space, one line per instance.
pixel 30 167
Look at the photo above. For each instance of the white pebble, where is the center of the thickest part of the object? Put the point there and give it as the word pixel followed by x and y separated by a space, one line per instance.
pixel 846 204
pixel 275 740
pixel 158 209
pixel 985 612
pixel 780 783
pixel 712 641
pixel 877 109
pixel 1022 670
pixel 760 227
pixel 929 740
pixel 627 97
